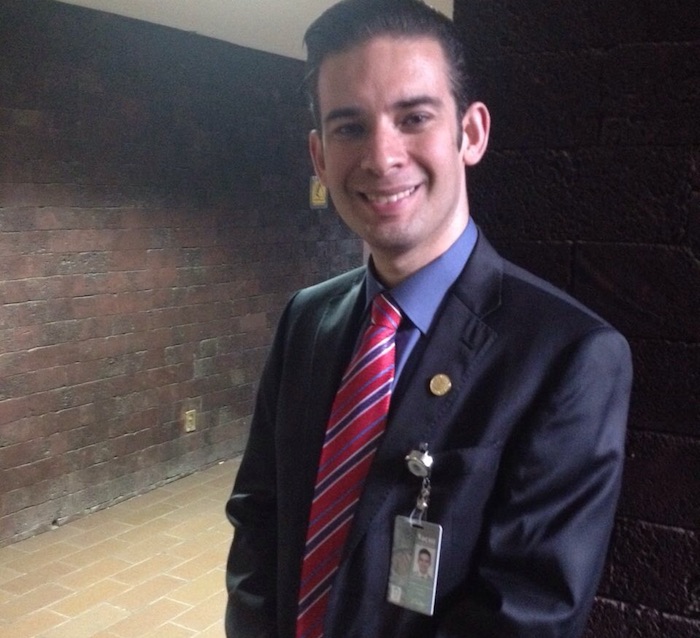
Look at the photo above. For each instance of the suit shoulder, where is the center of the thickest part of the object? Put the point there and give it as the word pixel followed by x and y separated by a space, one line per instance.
pixel 321 292
pixel 544 299
pixel 506 296
pixel 309 307
pixel 535 311
pixel 537 322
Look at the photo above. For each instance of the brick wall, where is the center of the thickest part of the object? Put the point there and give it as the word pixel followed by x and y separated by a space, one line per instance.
pixel 153 221
pixel 592 181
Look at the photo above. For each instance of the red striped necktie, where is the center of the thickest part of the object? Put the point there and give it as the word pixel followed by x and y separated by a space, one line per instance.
pixel 357 421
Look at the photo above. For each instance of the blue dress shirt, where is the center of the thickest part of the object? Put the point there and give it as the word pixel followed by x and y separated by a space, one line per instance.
pixel 420 295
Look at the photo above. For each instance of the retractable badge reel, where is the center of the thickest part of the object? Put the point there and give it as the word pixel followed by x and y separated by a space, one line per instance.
pixel 420 463
pixel 415 553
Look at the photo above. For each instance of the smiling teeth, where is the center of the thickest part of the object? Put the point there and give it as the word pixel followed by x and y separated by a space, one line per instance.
pixel 390 199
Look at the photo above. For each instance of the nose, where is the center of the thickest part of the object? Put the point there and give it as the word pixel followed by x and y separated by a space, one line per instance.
pixel 384 150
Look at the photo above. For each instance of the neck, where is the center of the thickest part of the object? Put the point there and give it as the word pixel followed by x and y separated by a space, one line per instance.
pixel 391 268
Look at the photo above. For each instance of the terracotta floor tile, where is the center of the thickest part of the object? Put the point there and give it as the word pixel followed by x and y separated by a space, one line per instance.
pixel 91 537
pixel 198 590
pixel 215 631
pixel 31 580
pixel 34 624
pixel 146 548
pixel 137 533
pixel 11 553
pixel 169 630
pixel 149 567
pixel 207 613
pixel 139 515
pixel 204 562
pixel 43 596
pixel 105 549
pixel 86 576
pixel 84 599
pixel 158 564
pixel 147 592
pixel 87 624
pixel 142 622
pixel 52 551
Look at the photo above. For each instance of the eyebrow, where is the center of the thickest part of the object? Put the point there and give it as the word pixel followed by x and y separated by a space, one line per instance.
pixel 419 100
pixel 341 114
pixel 402 105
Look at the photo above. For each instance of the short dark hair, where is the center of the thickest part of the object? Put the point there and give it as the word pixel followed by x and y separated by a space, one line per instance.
pixel 352 22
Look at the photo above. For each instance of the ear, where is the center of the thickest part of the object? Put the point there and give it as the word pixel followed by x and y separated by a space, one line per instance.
pixel 476 125
pixel 317 157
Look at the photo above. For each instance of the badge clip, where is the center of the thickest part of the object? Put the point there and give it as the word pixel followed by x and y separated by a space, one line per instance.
pixel 420 464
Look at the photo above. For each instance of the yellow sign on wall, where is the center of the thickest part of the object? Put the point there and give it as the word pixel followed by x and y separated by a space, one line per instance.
pixel 318 194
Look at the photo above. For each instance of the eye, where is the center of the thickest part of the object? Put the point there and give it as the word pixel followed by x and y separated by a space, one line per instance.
pixel 348 130
pixel 416 120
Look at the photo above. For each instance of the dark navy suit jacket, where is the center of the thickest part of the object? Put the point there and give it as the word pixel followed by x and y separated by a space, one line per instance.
pixel 528 448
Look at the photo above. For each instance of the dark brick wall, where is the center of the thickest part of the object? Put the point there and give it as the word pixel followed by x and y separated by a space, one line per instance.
pixel 153 221
pixel 592 181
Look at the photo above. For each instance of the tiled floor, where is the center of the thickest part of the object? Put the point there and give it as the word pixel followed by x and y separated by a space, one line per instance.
pixel 151 567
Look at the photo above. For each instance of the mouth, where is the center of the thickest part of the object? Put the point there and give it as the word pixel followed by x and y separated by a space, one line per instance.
pixel 383 198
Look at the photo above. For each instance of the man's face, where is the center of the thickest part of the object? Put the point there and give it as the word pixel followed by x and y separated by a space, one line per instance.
pixel 423 562
pixel 388 149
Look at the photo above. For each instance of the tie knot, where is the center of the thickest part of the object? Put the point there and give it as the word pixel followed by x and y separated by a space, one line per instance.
pixel 384 313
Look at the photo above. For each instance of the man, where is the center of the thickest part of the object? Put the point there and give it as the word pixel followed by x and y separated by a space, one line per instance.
pixel 516 392
pixel 423 563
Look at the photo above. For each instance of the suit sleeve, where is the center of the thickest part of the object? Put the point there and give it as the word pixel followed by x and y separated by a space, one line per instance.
pixel 549 522
pixel 252 509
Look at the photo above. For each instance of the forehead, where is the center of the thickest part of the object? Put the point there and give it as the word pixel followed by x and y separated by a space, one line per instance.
pixel 384 68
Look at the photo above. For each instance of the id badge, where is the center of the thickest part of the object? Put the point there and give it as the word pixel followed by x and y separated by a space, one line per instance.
pixel 415 558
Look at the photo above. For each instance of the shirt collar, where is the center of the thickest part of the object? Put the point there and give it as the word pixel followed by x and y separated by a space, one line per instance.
pixel 419 296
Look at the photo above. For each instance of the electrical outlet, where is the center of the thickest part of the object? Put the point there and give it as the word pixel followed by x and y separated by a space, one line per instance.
pixel 190 420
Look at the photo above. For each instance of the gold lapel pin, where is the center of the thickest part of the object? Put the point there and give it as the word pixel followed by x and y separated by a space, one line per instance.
pixel 440 385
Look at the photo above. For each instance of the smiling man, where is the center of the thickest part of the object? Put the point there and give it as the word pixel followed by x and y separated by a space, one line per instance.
pixel 439 396
pixel 392 149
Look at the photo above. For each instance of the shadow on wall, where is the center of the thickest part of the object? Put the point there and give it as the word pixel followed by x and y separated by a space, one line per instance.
pixel 153 222
pixel 595 138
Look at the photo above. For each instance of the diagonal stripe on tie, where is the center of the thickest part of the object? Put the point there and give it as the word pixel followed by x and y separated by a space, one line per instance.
pixel 357 421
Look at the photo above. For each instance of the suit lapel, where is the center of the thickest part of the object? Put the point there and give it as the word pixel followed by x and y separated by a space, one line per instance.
pixel 331 348
pixel 334 342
